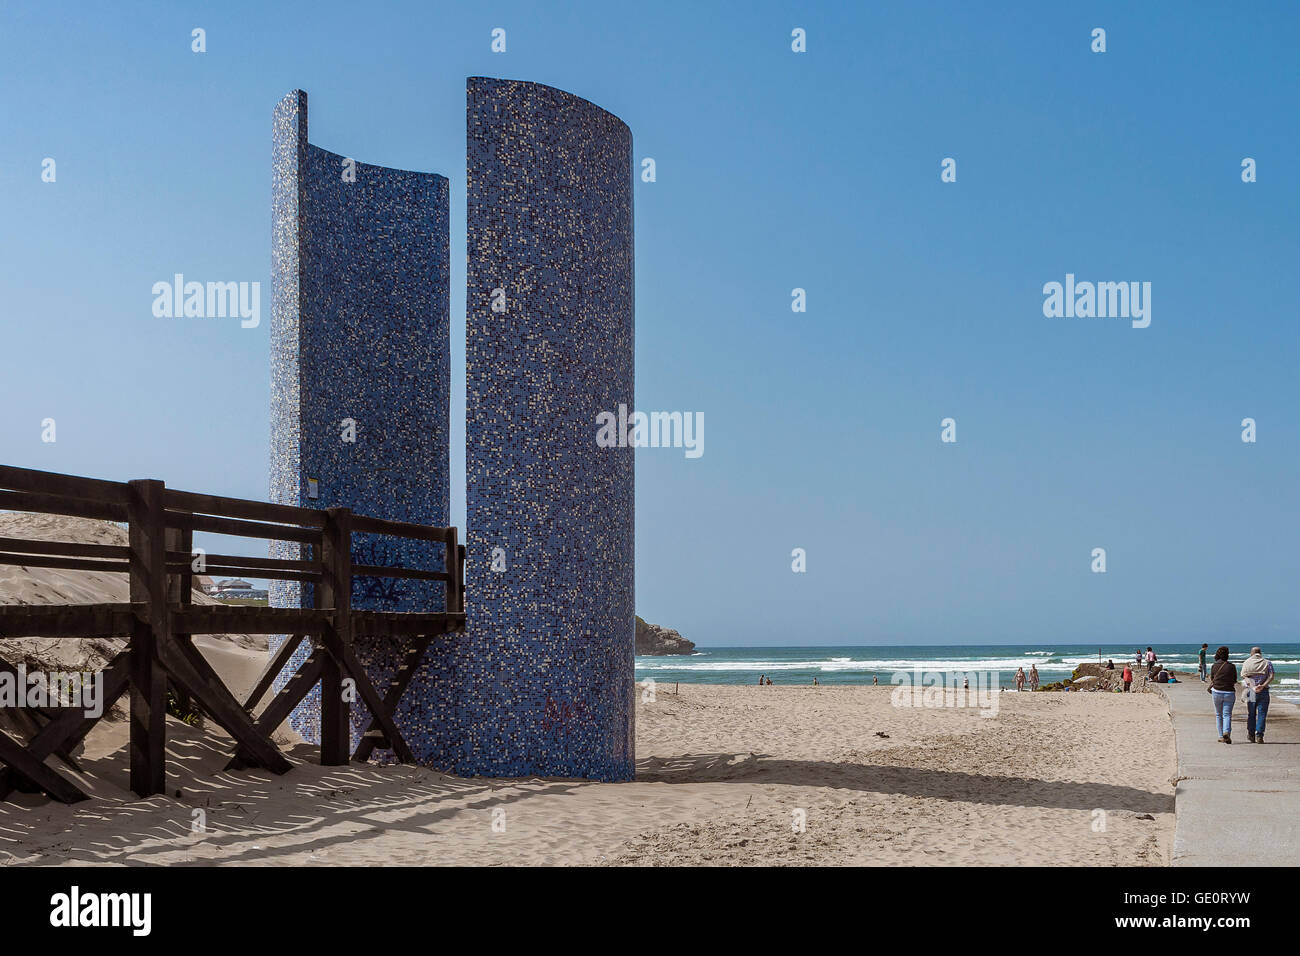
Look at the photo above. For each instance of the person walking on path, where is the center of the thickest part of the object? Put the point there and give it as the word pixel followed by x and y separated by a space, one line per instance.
pixel 1256 675
pixel 1223 689
pixel 1128 678
pixel 1204 648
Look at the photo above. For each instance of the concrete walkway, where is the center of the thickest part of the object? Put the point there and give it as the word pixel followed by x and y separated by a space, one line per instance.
pixel 1234 805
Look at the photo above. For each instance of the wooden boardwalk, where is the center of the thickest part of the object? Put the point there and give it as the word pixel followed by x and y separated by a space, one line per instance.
pixel 159 621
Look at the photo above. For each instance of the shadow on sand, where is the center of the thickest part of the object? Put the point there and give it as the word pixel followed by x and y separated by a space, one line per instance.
pixel 905 781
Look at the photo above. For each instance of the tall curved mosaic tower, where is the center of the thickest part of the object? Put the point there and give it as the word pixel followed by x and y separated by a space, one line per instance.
pixel 360 372
pixel 544 676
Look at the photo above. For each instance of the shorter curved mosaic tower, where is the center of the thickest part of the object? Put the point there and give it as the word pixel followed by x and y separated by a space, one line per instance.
pixel 360 371
pixel 543 679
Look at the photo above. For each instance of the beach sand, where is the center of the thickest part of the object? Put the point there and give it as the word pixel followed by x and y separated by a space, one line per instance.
pixel 1082 779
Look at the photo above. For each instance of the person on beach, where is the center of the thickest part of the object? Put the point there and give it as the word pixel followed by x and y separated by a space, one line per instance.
pixel 1137 657
pixel 762 679
pixel 1033 677
pixel 814 681
pixel 1020 679
pixel 874 681
pixel 1127 677
pixel 1151 660
pixel 1110 664
pixel 1223 689
pixel 1256 675
pixel 1204 648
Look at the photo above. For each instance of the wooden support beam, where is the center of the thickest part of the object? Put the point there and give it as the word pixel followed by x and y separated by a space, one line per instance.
pixel 411 658
pixel 399 529
pixel 380 571
pixel 191 671
pixel 186 558
pixel 334 595
pixel 67 549
pixel 239 570
pixel 180 593
pixel 451 562
pixel 381 714
pixel 404 624
pixel 71 725
pixel 243 508
pixel 61 505
pixel 272 670
pixel 239 528
pixel 283 703
pixel 20 760
pixel 54 483
pixel 64 564
pixel 66 620
pixel 238 619
pixel 148 680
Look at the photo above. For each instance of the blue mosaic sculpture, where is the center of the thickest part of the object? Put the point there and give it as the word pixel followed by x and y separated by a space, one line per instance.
pixel 542 682
pixel 360 378
pixel 544 674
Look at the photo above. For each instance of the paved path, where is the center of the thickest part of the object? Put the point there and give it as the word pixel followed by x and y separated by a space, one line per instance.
pixel 1235 805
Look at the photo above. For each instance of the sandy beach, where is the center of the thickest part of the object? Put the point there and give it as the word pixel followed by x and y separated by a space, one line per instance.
pixel 1084 779
pixel 725 775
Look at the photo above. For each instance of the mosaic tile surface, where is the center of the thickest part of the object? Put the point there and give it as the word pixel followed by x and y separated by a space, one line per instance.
pixel 360 331
pixel 544 677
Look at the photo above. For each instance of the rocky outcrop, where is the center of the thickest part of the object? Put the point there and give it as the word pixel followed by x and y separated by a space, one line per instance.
pixel 1097 677
pixel 655 640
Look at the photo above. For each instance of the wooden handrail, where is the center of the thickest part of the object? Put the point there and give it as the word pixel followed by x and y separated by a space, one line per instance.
pixel 160 617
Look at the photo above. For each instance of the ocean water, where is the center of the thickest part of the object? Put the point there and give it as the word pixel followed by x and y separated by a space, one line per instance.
pixel 859 664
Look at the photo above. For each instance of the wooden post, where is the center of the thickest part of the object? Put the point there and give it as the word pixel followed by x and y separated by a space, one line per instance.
pixel 148 575
pixel 460 576
pixel 452 565
pixel 335 594
pixel 180 590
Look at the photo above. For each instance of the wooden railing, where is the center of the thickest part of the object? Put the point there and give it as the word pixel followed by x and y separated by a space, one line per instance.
pixel 160 619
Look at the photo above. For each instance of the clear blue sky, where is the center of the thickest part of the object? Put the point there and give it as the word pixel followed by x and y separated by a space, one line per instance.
pixel 775 170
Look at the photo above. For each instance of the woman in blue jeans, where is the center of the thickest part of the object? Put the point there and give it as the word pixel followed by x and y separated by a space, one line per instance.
pixel 1223 688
